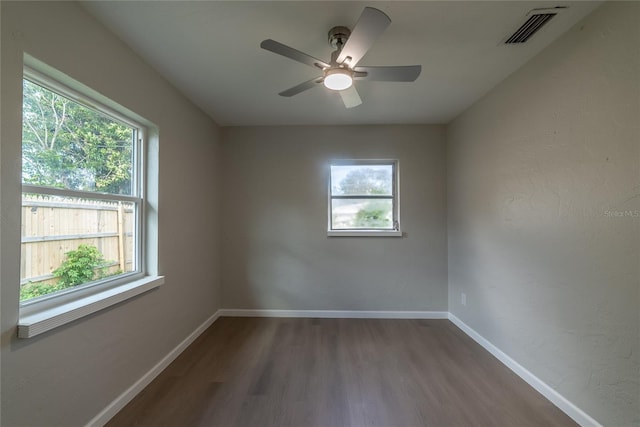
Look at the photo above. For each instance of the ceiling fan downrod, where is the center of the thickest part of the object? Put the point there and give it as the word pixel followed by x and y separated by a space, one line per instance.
pixel 338 37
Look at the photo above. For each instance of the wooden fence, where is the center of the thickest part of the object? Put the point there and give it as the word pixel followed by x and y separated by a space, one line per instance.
pixel 53 226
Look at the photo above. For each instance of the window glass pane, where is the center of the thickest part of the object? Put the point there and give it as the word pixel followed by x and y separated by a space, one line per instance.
pixel 361 214
pixel 362 180
pixel 67 145
pixel 68 241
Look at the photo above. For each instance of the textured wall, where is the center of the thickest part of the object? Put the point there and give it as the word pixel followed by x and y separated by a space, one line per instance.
pixel 67 376
pixel 544 215
pixel 276 251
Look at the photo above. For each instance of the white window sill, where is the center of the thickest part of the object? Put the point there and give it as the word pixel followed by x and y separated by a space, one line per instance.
pixel 364 233
pixel 38 322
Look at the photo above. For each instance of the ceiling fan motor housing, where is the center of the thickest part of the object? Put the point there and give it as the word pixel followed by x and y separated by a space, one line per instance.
pixel 338 36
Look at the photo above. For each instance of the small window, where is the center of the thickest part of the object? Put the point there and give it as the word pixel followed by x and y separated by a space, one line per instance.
pixel 363 198
pixel 82 192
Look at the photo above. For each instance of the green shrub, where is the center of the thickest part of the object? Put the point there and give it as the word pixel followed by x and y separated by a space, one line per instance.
pixel 83 265
pixel 32 290
pixel 372 218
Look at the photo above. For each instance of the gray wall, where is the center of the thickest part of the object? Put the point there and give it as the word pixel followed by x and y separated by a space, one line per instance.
pixel 536 170
pixel 67 376
pixel 276 251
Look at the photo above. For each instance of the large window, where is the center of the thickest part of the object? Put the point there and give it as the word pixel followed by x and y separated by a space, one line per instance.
pixel 363 198
pixel 82 192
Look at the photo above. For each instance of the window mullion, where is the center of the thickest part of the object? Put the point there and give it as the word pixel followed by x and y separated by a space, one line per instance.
pixel 63 192
pixel 359 197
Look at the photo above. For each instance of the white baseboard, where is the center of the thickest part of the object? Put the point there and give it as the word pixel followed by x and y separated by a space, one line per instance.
pixel 337 314
pixel 121 401
pixel 577 414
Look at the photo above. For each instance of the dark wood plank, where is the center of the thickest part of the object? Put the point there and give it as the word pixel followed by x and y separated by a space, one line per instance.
pixel 337 372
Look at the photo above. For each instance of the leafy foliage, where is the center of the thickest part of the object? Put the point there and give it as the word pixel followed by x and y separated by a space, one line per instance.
pixel 375 218
pixel 68 145
pixel 365 181
pixel 374 214
pixel 32 290
pixel 83 265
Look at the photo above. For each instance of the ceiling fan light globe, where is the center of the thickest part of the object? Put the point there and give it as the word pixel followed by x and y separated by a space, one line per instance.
pixel 338 79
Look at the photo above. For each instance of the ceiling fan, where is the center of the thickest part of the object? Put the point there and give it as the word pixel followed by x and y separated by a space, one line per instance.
pixel 339 73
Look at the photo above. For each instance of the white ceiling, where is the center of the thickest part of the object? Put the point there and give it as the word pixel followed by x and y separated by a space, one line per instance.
pixel 210 51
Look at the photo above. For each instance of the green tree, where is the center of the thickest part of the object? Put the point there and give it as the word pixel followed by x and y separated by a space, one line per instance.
pixel 365 180
pixel 68 145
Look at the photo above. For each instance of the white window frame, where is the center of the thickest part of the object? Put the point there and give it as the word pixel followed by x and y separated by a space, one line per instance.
pixel 395 231
pixel 41 314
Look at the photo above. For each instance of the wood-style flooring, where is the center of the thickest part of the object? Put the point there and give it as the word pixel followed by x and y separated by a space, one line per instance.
pixel 337 372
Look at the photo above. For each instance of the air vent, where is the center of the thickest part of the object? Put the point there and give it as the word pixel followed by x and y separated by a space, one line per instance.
pixel 529 28
pixel 536 19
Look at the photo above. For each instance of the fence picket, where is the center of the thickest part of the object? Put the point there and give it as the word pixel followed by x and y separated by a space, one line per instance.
pixel 52 226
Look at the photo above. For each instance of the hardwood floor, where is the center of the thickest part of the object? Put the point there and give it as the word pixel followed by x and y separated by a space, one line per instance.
pixel 337 372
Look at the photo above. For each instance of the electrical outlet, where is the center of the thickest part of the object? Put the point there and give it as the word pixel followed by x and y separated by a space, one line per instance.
pixel 463 298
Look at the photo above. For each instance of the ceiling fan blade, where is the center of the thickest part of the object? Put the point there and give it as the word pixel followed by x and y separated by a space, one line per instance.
pixel 291 53
pixel 350 97
pixel 370 25
pixel 302 87
pixel 403 73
